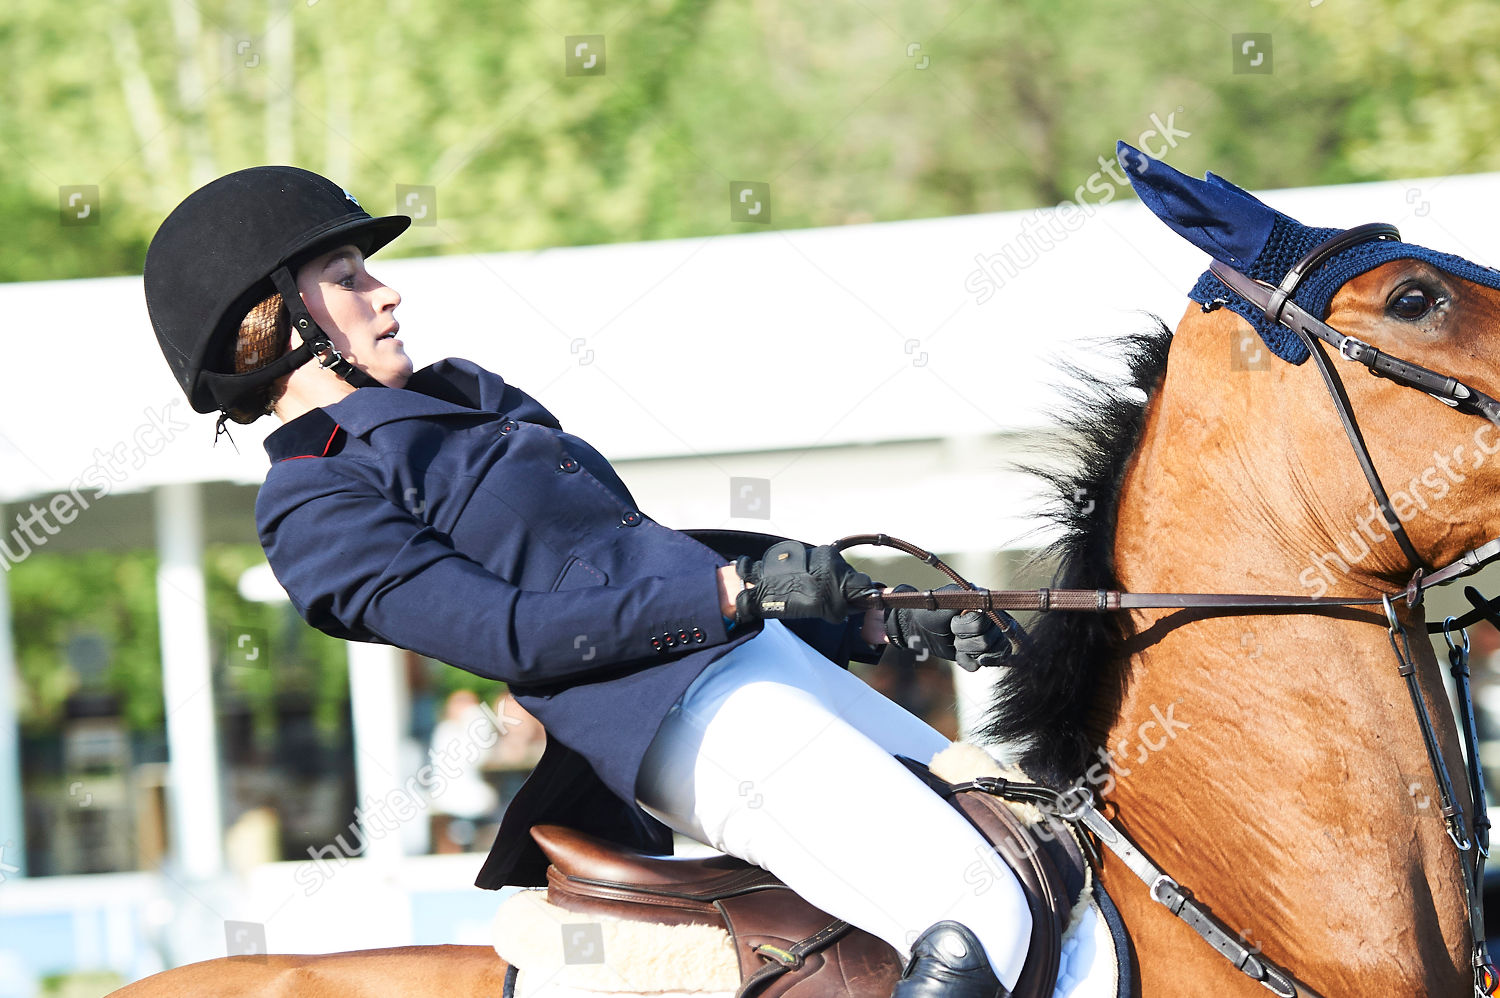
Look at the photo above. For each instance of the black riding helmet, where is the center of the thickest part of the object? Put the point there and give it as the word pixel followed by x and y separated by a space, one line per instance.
pixel 225 249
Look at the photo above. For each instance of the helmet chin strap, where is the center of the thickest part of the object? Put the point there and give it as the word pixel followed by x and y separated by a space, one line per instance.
pixel 312 335
pixel 229 389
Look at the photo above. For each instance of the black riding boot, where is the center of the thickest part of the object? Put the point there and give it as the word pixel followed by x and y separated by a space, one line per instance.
pixel 947 961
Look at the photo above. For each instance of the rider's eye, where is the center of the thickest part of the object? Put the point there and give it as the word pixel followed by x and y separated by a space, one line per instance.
pixel 1412 303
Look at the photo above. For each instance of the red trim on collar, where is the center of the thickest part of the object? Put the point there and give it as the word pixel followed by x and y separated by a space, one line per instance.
pixel 331 436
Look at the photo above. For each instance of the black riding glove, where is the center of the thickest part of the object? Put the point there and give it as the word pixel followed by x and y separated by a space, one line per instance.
pixel 969 638
pixel 793 580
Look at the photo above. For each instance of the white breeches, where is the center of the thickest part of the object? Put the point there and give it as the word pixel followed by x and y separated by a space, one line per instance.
pixel 781 758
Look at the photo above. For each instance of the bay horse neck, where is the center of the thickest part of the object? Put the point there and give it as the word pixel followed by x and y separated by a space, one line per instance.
pixel 1272 762
pixel 1243 465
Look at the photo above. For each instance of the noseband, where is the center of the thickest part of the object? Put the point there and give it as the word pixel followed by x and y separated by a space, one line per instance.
pixel 1277 304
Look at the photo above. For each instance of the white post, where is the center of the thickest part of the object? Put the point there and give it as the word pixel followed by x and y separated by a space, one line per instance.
pixel 12 822
pixel 187 683
pixel 378 702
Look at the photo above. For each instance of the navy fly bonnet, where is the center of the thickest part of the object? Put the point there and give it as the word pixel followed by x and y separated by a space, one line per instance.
pixel 1232 225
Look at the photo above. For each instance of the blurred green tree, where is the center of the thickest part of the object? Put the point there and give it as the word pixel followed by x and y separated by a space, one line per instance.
pixel 852 111
pixel 111 600
pixel 105 602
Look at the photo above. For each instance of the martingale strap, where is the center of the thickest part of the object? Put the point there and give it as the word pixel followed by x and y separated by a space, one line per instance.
pixel 1163 889
pixel 1458 665
pixel 1453 816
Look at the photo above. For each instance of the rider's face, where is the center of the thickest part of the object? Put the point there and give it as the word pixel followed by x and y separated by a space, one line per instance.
pixel 357 312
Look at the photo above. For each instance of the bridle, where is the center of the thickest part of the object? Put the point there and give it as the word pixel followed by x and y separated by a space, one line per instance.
pixel 1471 843
pixel 1276 302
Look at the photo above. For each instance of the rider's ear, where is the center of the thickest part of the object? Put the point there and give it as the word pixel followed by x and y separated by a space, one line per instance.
pixel 1214 215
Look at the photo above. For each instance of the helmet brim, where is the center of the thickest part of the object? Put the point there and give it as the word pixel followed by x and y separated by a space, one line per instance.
pixel 368 234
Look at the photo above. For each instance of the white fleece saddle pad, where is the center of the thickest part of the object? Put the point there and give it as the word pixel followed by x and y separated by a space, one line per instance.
pixel 562 954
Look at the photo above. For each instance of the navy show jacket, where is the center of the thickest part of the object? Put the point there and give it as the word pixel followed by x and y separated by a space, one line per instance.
pixel 455 518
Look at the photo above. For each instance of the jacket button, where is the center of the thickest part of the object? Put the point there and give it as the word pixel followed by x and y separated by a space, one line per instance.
pixel 668 640
pixel 631 518
pixel 698 635
pixel 509 425
pixel 656 643
pixel 568 464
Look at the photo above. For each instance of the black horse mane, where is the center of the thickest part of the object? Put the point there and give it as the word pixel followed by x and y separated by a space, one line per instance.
pixel 1050 705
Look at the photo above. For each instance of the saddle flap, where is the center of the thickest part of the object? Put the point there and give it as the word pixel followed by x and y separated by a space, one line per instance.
pixel 789 949
pixel 1017 850
pixel 1042 855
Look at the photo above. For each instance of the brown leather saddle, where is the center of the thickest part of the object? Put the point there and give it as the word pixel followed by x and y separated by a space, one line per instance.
pixel 787 947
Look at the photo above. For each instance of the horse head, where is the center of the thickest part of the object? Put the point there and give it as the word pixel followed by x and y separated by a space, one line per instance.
pixel 1433 309
pixel 1273 761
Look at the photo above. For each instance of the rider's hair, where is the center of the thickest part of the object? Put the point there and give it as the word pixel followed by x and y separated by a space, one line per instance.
pixel 264 335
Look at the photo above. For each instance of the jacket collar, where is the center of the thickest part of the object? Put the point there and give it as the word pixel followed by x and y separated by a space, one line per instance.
pixel 309 435
pixel 364 409
pixel 450 387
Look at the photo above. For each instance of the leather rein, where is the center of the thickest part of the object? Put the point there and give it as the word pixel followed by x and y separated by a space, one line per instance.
pixel 1276 303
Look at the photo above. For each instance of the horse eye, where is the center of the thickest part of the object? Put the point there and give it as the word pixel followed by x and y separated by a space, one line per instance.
pixel 1413 303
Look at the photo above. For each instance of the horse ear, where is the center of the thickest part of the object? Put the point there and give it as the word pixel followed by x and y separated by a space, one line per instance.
pixel 1214 215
